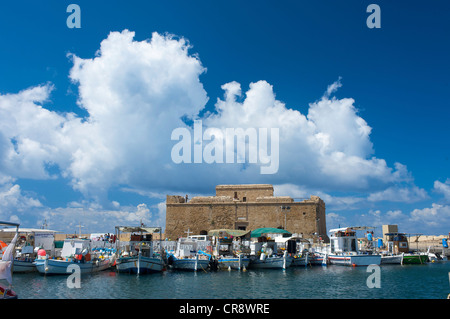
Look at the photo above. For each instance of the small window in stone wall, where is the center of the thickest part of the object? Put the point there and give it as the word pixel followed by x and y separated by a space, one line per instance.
pixel 244 199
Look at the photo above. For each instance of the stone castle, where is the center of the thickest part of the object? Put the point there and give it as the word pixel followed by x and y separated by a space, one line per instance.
pixel 245 207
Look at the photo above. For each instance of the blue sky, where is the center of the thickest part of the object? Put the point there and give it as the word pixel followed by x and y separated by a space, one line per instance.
pixel 86 139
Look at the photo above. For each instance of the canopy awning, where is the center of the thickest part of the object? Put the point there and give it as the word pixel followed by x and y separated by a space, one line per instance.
pixel 300 240
pixel 133 229
pixel 231 232
pixel 335 230
pixel 362 227
pixel 28 230
pixel 9 224
pixel 268 230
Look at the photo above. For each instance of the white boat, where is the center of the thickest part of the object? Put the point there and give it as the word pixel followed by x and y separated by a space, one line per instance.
pixel 75 251
pixel 62 266
pixel 187 256
pixel 270 262
pixel 318 259
pixel 318 254
pixel 263 257
pixel 343 249
pixel 354 259
pixel 436 257
pixel 138 256
pixel 265 252
pixel 6 264
pixel 392 259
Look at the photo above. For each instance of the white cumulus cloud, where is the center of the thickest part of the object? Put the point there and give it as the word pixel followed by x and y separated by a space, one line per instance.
pixel 135 93
pixel 400 194
pixel 443 188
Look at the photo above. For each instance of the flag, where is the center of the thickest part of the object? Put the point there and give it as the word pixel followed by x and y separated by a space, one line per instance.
pixel 7 260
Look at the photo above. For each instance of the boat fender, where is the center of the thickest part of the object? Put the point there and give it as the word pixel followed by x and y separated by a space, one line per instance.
pixel 41 253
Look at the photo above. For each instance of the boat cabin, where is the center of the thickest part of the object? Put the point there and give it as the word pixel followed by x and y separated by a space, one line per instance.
pixel 186 247
pixel 343 240
pixel 75 246
pixel 140 242
pixel 200 237
pixel 31 239
pixel 268 247
pixel 397 243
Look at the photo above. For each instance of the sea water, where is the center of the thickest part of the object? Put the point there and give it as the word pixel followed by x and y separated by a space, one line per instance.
pixel 428 281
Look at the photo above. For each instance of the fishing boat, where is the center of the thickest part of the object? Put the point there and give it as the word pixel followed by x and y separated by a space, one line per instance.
pixel 76 254
pixel 395 247
pixel 229 249
pixel 392 259
pixel 436 256
pixel 301 259
pixel 398 250
pixel 318 253
pixel 298 248
pixel 239 262
pixel 415 258
pixel 343 249
pixel 187 256
pixel 266 261
pixel 30 240
pixel 189 263
pixel 6 265
pixel 317 259
pixel 137 256
pixel 25 264
pixel 265 253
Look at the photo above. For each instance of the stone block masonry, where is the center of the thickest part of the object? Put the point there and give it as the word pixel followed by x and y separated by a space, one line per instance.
pixel 245 207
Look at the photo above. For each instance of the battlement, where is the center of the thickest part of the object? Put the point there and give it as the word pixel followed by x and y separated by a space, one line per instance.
pixel 246 192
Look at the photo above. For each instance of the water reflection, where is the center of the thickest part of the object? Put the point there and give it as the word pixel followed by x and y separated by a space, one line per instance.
pixel 294 283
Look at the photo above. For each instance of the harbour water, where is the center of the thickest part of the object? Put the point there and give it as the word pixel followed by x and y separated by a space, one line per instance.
pixel 429 281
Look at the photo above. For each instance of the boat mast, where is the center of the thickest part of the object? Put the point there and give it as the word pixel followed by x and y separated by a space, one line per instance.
pixel 79 230
pixel 117 233
pixel 188 232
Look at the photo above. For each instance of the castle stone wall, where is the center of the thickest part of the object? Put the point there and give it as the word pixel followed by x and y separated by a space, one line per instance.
pixel 260 209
